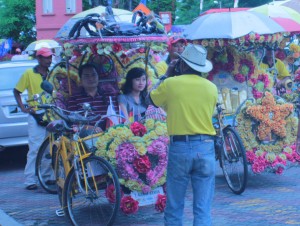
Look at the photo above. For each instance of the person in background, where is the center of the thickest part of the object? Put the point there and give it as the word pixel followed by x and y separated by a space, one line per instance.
pixel 18 51
pixel 189 100
pixel 31 81
pixel 133 102
pixel 279 68
pixel 176 46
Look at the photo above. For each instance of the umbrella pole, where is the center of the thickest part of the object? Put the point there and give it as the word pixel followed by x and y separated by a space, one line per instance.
pixel 68 76
pixel 147 56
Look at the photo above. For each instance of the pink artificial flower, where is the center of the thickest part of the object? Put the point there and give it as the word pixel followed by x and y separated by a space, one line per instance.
pixel 279 170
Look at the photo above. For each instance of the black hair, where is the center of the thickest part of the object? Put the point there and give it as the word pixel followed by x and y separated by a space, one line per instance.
pixel 133 73
pixel 190 70
pixel 84 66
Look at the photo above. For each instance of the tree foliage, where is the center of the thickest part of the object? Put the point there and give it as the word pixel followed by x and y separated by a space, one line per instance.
pixel 188 10
pixel 17 20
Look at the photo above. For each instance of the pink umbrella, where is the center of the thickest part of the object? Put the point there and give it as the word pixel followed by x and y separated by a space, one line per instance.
pixel 288 24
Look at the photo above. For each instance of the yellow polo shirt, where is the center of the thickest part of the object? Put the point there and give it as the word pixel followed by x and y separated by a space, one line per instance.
pixel 161 68
pixel 189 101
pixel 281 68
pixel 32 82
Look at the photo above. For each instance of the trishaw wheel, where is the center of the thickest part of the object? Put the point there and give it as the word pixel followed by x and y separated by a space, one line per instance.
pixel 43 167
pixel 233 161
pixel 94 197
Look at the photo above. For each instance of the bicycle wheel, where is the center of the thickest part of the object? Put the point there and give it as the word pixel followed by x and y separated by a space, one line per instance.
pixel 43 167
pixel 97 201
pixel 233 162
pixel 60 175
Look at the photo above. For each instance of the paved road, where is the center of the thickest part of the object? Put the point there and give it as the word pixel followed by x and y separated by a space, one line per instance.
pixel 268 200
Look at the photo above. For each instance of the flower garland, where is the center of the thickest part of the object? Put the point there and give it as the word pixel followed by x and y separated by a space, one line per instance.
pixel 244 68
pixel 139 154
pixel 273 156
pixel 248 41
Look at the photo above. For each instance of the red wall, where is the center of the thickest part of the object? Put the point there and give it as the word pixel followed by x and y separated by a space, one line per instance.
pixel 47 25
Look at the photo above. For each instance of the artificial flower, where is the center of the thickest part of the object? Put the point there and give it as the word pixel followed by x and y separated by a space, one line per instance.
pixel 160 204
pixel 129 205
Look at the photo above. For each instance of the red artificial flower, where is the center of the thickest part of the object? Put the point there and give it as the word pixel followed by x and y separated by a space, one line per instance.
pixel 94 49
pixel 110 193
pixel 138 129
pixel 160 204
pixel 129 205
pixel 240 78
pixel 141 50
pixel 117 47
pixel 142 164
pixel 77 53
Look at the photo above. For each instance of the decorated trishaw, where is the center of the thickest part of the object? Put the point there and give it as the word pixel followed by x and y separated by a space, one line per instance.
pixel 264 116
pixel 263 112
pixel 136 149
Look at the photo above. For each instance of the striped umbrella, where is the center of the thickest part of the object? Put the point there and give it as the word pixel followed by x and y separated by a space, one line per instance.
pixel 286 17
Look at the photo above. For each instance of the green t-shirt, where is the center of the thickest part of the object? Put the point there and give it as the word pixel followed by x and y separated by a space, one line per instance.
pixel 189 101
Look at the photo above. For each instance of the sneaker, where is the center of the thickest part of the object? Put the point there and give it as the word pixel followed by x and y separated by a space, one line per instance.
pixel 31 187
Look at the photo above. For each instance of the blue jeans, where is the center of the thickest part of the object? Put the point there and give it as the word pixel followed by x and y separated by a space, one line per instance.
pixel 193 160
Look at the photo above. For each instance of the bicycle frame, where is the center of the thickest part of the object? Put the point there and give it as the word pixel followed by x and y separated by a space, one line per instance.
pixel 220 127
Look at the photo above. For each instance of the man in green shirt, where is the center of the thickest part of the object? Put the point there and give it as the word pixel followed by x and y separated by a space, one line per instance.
pixel 189 101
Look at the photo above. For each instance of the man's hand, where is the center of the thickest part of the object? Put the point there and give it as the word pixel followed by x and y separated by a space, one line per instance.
pixel 171 68
pixel 29 110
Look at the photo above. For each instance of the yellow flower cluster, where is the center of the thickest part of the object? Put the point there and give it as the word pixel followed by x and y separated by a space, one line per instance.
pixel 109 141
pixel 294 48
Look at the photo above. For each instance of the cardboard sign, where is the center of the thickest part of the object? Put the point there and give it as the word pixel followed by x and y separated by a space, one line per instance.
pixel 147 198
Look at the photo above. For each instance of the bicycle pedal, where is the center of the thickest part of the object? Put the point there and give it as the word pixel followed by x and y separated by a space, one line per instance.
pixel 60 213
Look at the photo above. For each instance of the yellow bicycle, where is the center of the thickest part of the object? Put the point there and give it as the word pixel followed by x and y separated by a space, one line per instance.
pixel 87 185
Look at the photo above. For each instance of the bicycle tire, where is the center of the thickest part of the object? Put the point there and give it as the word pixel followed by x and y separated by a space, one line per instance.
pixel 234 162
pixel 60 175
pixel 44 161
pixel 95 206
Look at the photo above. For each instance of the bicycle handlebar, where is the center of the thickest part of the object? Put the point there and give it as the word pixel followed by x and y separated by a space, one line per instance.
pixel 73 117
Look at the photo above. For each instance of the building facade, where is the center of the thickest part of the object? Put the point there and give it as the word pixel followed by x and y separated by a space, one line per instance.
pixel 52 14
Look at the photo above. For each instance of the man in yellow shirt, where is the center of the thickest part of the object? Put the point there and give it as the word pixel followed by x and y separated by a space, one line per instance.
pixel 279 70
pixel 31 81
pixel 176 46
pixel 189 101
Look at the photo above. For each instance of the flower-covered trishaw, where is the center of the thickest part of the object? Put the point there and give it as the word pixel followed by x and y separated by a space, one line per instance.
pixel 263 114
pixel 137 150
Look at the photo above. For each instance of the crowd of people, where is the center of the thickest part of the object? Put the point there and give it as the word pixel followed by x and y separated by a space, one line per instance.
pixel 187 98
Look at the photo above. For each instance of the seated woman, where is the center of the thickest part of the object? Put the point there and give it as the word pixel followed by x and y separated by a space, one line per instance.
pixel 133 100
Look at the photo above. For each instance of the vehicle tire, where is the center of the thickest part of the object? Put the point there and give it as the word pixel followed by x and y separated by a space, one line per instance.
pixel 234 162
pixel 44 167
pixel 97 206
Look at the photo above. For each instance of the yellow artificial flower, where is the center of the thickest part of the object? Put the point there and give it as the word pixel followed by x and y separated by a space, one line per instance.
pixel 140 147
pixel 150 124
pixel 270 157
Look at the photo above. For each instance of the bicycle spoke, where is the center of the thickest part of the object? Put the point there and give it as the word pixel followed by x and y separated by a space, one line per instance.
pixel 86 198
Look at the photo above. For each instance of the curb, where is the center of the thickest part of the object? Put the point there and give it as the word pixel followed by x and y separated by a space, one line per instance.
pixel 6 220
